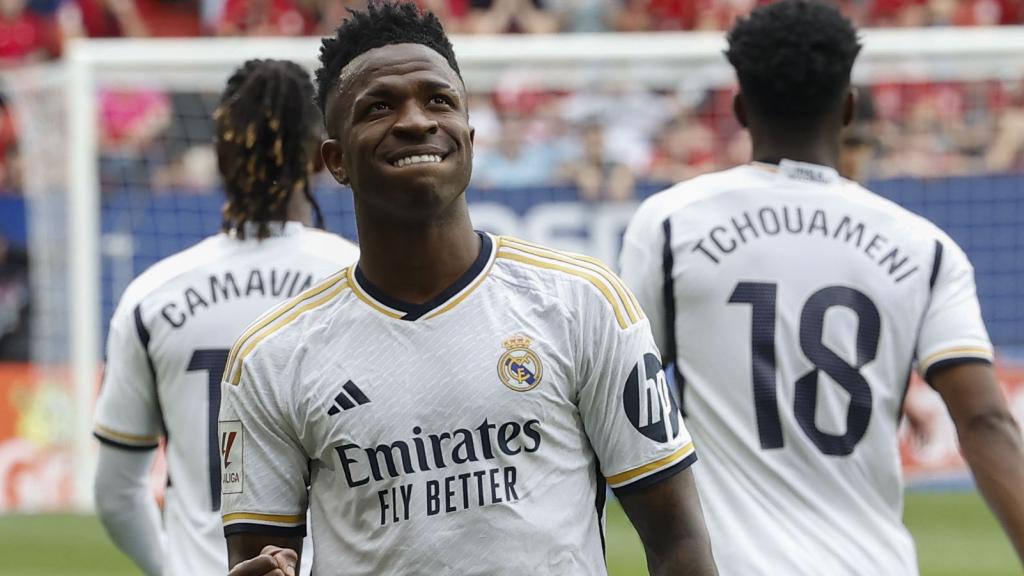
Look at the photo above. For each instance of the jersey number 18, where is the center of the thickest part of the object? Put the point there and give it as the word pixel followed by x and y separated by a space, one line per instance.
pixel 762 297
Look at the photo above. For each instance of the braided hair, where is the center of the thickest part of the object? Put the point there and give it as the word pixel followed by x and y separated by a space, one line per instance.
pixel 266 126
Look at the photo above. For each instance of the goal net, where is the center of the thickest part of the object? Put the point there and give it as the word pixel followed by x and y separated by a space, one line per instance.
pixel 572 131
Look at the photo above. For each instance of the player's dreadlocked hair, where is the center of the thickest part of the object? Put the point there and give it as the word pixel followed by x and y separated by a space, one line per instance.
pixel 265 123
pixel 384 22
pixel 793 59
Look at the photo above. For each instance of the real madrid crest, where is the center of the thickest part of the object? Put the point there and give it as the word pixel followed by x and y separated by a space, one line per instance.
pixel 519 367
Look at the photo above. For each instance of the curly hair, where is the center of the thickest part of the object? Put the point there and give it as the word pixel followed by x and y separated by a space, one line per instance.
pixel 384 23
pixel 793 59
pixel 265 123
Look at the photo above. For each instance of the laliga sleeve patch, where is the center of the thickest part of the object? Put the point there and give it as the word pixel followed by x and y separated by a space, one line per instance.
pixel 232 454
pixel 649 403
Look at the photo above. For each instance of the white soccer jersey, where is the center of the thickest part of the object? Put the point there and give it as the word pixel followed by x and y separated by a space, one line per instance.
pixel 795 304
pixel 474 434
pixel 169 339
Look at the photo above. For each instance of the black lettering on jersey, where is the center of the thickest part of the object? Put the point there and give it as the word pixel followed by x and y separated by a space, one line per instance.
pixel 255 284
pixel 275 289
pixel 730 235
pixel 463 446
pixel 225 289
pixel 459 492
pixel 818 223
pixel 174 317
pixel 484 430
pixel 876 242
pixel 531 432
pixel 291 289
pixel 506 434
pixel 306 285
pixel 770 222
pixel 846 225
pixel 743 228
pixel 894 260
pixel 719 230
pixel 385 453
pixel 797 224
pixel 194 300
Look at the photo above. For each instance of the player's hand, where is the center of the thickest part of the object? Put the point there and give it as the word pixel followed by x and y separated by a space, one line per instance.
pixel 272 561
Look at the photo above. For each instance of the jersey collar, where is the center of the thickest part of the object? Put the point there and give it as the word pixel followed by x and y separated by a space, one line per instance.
pixel 801 172
pixel 446 300
pixel 275 229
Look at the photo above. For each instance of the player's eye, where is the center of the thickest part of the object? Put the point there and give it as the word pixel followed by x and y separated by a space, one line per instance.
pixel 380 107
pixel 442 100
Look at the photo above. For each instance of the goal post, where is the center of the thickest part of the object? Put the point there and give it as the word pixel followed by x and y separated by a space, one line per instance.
pixel 60 116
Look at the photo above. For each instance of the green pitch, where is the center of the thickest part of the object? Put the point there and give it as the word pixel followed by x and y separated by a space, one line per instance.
pixel 955 535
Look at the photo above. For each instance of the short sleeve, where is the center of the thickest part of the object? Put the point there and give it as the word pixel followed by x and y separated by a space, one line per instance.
pixel 629 411
pixel 646 264
pixel 127 411
pixel 952 331
pixel 264 469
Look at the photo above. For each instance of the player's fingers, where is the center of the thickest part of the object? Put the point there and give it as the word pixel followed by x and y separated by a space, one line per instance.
pixel 262 565
pixel 287 559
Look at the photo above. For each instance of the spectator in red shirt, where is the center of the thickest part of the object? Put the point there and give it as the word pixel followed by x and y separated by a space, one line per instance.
pixel 24 36
pixel 265 18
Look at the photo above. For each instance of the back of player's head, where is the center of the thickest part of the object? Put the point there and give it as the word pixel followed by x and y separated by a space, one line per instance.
pixel 793 59
pixel 267 128
pixel 385 22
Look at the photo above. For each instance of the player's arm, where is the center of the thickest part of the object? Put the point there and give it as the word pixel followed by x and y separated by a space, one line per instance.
pixel 127 424
pixel 126 507
pixel 668 518
pixel 633 422
pixel 956 358
pixel 990 440
pixel 264 467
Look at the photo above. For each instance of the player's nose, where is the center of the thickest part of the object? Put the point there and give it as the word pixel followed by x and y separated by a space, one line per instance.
pixel 414 122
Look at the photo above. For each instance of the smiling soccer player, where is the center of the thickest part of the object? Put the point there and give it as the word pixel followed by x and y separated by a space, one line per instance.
pixel 457 402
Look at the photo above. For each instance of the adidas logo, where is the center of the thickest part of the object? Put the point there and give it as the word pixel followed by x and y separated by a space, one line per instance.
pixel 349 398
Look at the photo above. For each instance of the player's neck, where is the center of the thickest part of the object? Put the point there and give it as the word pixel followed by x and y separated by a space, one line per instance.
pixel 820 151
pixel 414 263
pixel 299 209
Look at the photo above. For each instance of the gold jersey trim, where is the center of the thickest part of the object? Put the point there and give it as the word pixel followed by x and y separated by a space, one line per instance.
pixel 631 305
pixel 647 469
pixel 286 519
pixel 625 314
pixel 128 438
pixel 963 351
pixel 302 304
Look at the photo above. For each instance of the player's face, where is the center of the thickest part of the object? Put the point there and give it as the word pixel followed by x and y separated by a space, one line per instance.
pixel 401 134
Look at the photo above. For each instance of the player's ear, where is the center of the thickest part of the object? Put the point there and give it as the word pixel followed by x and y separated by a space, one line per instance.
pixel 849 106
pixel 333 158
pixel 739 109
pixel 472 135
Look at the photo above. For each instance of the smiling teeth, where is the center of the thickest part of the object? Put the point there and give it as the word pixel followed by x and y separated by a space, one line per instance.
pixel 421 159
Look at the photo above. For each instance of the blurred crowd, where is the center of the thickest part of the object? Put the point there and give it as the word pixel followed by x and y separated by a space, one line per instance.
pixel 602 143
